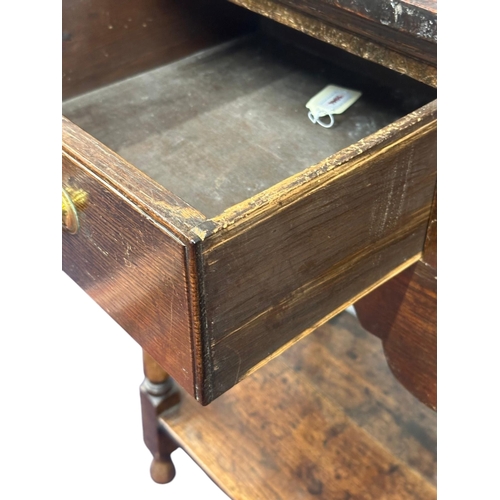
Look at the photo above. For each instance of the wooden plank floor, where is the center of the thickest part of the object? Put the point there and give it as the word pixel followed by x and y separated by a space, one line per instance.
pixel 325 420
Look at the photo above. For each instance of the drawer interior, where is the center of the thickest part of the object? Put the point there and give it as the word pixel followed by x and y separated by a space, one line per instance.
pixel 230 121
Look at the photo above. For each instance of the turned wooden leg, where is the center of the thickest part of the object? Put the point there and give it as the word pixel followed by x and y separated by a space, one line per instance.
pixel 158 394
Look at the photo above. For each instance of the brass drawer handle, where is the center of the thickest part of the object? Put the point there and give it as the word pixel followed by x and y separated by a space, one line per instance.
pixel 71 199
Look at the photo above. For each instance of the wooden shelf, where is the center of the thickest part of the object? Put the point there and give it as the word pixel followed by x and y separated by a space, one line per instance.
pixel 325 420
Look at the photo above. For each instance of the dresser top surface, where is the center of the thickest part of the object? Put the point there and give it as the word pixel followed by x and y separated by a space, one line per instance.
pixel 416 17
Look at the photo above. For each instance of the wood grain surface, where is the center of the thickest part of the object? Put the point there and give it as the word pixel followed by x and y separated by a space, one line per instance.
pixel 407 23
pixel 152 370
pixel 211 300
pixel 430 249
pixel 325 420
pixel 282 263
pixel 249 276
pixel 403 313
pixel 339 24
pixel 159 203
pixel 134 268
pixel 105 41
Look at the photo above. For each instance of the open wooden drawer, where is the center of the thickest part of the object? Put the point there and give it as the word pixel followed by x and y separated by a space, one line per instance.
pixel 244 226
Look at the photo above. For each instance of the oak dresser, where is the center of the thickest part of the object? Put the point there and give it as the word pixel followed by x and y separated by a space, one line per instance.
pixel 219 227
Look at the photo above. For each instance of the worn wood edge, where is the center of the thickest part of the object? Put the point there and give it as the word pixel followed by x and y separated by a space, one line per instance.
pixel 197 317
pixel 186 446
pixel 347 265
pixel 189 266
pixel 305 188
pixel 202 342
pixel 227 225
pixel 153 199
pixel 409 262
pixel 407 11
pixel 399 30
pixel 162 420
pixel 353 43
pixel 175 220
pixel 349 262
pixel 429 257
pixel 116 192
pixel 161 217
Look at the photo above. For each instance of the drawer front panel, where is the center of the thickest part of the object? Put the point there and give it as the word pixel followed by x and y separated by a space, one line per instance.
pixel 281 269
pixel 133 268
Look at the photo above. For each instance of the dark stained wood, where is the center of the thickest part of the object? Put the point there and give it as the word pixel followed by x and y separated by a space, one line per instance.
pixel 430 248
pixel 244 325
pixel 405 88
pixel 403 24
pixel 325 420
pixel 285 261
pixel 251 304
pixel 163 214
pixel 157 396
pixel 417 18
pixel 105 41
pixel 403 313
pixel 134 268
pixel 411 51
pixel 211 300
pixel 157 202
pixel 349 366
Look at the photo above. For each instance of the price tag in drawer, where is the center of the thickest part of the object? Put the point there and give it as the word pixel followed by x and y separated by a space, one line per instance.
pixel 332 100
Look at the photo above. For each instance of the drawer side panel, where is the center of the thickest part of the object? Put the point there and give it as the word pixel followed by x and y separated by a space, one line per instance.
pixel 107 41
pixel 272 278
pixel 133 268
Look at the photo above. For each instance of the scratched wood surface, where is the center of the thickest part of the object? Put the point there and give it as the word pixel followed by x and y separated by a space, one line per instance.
pixel 410 23
pixel 307 248
pixel 325 420
pixel 430 249
pixel 222 126
pixel 403 313
pixel 398 35
pixel 270 267
pixel 105 41
pixel 134 268
pixel 162 205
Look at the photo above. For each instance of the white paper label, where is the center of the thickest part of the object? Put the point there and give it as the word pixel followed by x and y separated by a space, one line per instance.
pixel 332 100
